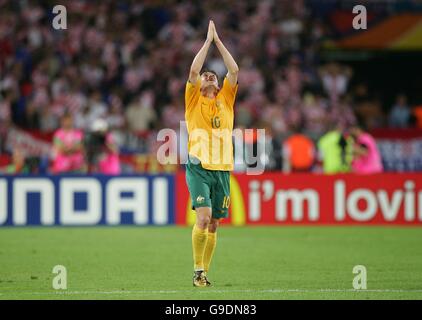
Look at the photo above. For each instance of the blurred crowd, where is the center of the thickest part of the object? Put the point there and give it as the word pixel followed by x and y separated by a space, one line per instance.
pixel 127 62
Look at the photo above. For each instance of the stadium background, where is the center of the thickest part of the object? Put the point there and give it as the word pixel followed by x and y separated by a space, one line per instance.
pixel 304 70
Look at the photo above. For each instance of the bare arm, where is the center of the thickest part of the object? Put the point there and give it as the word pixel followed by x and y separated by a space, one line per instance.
pixel 359 151
pixel 199 59
pixel 231 65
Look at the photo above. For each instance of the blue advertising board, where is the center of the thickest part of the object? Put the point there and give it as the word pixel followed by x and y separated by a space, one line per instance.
pixel 86 200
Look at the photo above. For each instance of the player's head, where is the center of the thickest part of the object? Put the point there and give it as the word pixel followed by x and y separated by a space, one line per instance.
pixel 18 156
pixel 209 78
pixel 67 120
pixel 355 131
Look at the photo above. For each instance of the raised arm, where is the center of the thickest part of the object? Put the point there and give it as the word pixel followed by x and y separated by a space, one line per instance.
pixel 231 65
pixel 199 59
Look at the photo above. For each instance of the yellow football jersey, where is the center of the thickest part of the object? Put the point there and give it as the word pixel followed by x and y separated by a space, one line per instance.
pixel 210 125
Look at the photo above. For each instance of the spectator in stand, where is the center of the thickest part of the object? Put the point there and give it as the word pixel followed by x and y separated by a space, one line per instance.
pixel 48 121
pixel 125 64
pixel 140 114
pixel 68 154
pixel 367 108
pixel 315 109
pixel 298 153
pixel 342 114
pixel 335 79
pixel 94 109
pixel 106 153
pixel 417 112
pixel 5 117
pixel 18 165
pixel 115 118
pixel 366 156
pixel 5 107
pixel 173 114
pixel 335 152
pixel 400 113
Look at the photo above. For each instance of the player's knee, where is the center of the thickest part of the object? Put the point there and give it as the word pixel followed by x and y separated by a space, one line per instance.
pixel 203 218
pixel 213 226
pixel 203 222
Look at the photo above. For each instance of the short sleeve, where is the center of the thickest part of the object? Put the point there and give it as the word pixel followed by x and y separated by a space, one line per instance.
pixel 192 93
pixel 57 138
pixel 229 92
pixel 110 138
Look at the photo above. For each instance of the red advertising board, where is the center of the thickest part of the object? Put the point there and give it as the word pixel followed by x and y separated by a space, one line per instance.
pixel 276 198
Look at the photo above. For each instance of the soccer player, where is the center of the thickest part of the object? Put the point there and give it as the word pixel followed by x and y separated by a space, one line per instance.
pixel 209 116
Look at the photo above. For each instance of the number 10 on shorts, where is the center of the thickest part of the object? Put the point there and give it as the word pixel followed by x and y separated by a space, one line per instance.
pixel 226 202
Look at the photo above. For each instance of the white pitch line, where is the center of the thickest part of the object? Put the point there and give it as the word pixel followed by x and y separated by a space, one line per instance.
pixel 123 292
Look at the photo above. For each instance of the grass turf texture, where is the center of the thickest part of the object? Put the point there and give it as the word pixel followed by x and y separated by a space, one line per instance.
pixel 250 263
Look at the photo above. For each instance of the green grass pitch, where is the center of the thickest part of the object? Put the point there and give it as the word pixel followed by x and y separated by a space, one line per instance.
pixel 250 263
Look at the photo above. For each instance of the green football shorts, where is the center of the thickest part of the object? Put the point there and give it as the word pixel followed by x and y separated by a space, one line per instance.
pixel 209 188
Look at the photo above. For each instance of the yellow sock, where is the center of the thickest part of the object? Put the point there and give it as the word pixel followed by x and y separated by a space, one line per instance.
pixel 199 241
pixel 209 249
